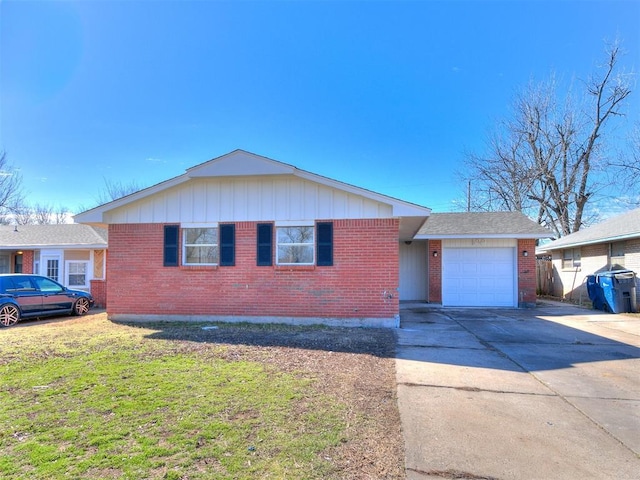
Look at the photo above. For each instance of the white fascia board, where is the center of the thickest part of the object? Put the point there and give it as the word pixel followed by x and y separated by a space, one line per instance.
pixel 400 207
pixel 95 216
pixel 466 236
pixel 617 238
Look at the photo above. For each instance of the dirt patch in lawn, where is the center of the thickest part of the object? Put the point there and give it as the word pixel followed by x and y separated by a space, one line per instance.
pixel 354 367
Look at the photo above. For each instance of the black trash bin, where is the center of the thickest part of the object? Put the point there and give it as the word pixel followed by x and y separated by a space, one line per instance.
pixel 618 290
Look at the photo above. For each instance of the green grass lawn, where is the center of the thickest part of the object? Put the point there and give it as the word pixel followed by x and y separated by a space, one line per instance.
pixel 87 398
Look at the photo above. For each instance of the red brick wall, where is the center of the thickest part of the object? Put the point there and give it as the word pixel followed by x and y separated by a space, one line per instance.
pixel 362 282
pixel 99 293
pixel 526 273
pixel 435 271
pixel 27 261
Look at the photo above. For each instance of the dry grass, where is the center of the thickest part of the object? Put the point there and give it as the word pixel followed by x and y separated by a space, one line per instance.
pixel 341 396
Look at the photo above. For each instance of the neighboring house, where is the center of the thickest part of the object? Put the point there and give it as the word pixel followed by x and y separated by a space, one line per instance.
pixel 72 254
pixel 246 238
pixel 610 245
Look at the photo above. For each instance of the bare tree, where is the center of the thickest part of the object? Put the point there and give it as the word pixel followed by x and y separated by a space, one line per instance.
pixel 112 190
pixel 11 195
pixel 628 162
pixel 40 214
pixel 115 189
pixel 544 159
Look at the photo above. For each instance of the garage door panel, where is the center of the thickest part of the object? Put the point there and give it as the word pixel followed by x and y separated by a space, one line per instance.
pixel 478 277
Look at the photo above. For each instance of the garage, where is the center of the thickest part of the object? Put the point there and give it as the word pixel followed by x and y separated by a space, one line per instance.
pixel 479 276
pixel 480 259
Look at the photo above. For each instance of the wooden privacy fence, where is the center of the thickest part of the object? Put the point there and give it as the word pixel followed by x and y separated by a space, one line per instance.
pixel 544 276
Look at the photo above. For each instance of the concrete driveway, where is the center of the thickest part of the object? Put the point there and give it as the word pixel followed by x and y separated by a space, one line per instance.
pixel 545 393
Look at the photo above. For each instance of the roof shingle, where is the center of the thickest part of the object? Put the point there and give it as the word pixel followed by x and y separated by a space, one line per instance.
pixel 63 235
pixel 626 225
pixel 482 224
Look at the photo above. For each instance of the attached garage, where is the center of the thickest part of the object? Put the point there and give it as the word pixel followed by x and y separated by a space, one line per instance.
pixel 479 276
pixel 478 259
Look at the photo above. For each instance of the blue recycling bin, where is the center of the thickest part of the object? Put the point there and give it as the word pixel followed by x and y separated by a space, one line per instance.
pixel 618 291
pixel 595 292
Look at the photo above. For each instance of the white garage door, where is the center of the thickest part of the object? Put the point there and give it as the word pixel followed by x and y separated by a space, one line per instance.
pixel 478 277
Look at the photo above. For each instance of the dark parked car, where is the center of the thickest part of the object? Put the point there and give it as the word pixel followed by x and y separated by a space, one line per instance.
pixel 27 296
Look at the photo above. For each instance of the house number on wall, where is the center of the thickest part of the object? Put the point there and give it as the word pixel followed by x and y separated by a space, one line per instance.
pixel 477 241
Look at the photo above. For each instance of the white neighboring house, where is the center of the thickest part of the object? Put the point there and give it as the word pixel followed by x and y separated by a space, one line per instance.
pixel 72 254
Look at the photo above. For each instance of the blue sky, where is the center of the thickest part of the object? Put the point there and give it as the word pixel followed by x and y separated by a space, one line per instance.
pixel 384 95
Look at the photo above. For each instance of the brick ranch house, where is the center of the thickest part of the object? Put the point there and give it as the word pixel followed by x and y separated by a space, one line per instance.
pixel 246 238
pixel 71 254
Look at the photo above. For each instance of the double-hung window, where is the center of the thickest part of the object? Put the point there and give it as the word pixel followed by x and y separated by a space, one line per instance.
pixel 571 258
pixel 200 246
pixel 77 274
pixel 295 245
pixel 616 254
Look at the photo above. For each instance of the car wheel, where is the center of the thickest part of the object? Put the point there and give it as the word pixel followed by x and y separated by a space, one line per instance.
pixel 9 315
pixel 81 306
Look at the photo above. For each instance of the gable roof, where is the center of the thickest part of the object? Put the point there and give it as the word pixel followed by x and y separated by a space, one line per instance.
pixel 481 224
pixel 240 163
pixel 620 227
pixel 68 236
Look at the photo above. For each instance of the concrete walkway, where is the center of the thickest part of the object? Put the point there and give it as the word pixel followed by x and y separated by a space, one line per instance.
pixel 546 393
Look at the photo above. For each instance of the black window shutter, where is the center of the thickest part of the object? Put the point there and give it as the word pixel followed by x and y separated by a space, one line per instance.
pixel 171 245
pixel 265 244
pixel 324 245
pixel 227 245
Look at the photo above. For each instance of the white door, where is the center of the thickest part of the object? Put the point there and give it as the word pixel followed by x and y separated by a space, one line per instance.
pixel 413 271
pixel 51 266
pixel 478 277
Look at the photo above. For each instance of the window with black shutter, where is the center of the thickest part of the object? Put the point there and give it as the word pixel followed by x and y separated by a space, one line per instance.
pixel 227 245
pixel 265 244
pixel 171 235
pixel 324 245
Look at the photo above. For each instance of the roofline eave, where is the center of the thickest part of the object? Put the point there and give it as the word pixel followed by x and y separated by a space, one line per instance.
pixel 517 236
pixel 616 238
pixel 75 246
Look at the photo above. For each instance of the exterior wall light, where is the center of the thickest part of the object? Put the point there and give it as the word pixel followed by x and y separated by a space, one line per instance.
pixel 525 253
pixel 435 253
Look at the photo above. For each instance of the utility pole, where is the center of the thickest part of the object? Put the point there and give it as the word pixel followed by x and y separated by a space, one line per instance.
pixel 468 195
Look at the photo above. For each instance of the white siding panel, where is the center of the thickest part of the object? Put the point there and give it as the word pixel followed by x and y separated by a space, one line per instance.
pixel 413 271
pixel 250 199
pixel 325 203
pixel 172 208
pixel 296 198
